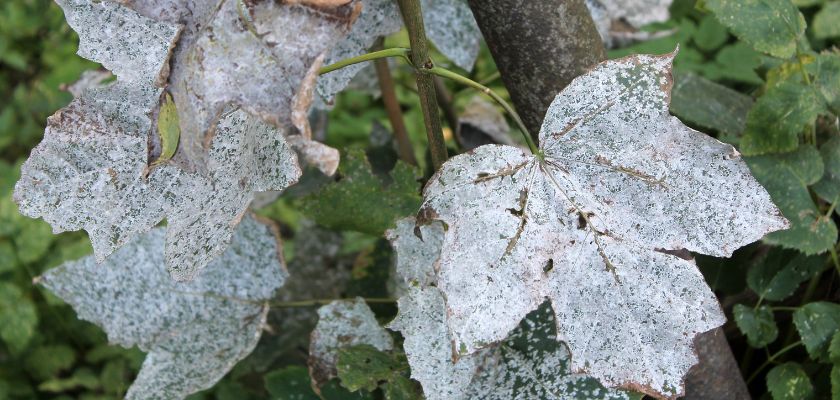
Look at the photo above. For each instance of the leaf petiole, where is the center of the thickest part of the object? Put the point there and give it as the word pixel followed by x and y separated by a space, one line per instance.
pixel 445 73
pixel 392 52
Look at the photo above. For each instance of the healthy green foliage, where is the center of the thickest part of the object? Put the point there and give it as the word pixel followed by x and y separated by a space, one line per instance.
pixel 787 177
pixel 828 188
pixel 771 26
pixel 826 21
pixel 781 273
pixel 362 201
pixel 817 323
pixel 709 104
pixel 789 382
pixel 777 118
pixel 18 317
pixel 290 383
pixel 363 367
pixel 168 129
pixel 758 324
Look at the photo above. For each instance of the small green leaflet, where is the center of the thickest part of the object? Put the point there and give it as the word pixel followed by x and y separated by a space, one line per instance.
pixel 168 129
pixel 789 382
pixel 757 324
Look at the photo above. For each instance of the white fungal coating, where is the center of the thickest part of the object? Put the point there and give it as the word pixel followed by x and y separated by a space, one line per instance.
pixel 193 333
pixel 592 226
pixel 343 323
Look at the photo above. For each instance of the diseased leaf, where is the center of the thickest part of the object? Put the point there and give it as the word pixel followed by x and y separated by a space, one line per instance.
pixel 618 21
pixel 343 324
pixel 778 117
pixel 757 324
pixel 781 273
pixel 482 123
pixel 710 105
pixel 770 26
pixel 786 177
pixel 592 225
pixel 88 173
pixel 345 205
pixel 531 363
pixel 449 24
pixel 817 323
pixel 212 322
pixel 789 382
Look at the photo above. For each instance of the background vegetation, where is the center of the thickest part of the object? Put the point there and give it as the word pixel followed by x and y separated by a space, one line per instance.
pixel 782 302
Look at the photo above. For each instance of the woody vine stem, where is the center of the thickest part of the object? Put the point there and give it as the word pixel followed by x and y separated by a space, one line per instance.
pixel 424 67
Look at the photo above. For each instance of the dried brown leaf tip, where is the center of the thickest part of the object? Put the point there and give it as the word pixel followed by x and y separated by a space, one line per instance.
pixel 636 180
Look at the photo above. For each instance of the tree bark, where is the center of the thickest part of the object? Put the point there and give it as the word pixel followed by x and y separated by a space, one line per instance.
pixel 539 46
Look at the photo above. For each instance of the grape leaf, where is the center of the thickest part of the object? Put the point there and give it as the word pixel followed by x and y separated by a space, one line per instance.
pixel 618 21
pixel 770 26
pixel 529 364
pixel 345 205
pixel 482 123
pixel 789 381
pixel 342 324
pixel 212 322
pixel 592 222
pixel 759 325
pixel 787 177
pixel 817 322
pixel 449 24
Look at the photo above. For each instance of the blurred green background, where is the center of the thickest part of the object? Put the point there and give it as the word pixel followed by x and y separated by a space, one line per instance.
pixel 46 352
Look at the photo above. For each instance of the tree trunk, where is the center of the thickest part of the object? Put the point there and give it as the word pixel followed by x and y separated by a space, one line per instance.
pixel 541 45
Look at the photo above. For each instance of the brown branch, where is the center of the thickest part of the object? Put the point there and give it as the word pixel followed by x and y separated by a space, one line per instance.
pixel 444 98
pixel 392 107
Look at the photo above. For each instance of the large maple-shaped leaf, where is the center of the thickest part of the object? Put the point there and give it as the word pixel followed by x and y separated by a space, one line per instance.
pixel 529 364
pixel 90 171
pixel 449 24
pixel 194 333
pixel 591 224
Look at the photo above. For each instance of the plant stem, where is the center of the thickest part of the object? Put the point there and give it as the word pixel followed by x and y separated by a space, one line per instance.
pixel 413 18
pixel 444 99
pixel 771 359
pixel 495 96
pixel 393 52
pixel 395 115
pixel 317 302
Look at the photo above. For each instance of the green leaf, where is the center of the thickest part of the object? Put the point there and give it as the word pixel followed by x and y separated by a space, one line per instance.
pixel 826 71
pixel 786 177
pixel 8 259
pixel 789 382
pixel 828 188
pixel 835 382
pixel 710 34
pixel 82 378
pixel 290 383
pixel 758 325
pixel 347 204
pixel 401 388
pixel 770 26
pixel 781 272
pixel 168 129
pixel 817 323
pixel 46 361
pixel 33 240
pixel 708 104
pixel 834 348
pixel 363 367
pixel 18 317
pixel 778 117
pixel 825 24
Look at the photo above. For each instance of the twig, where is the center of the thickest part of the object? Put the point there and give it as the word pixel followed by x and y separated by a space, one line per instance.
pixel 444 99
pixel 392 107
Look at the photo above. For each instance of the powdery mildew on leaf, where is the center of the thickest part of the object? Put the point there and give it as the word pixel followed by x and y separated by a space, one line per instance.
pixel 589 227
pixel 252 54
pixel 194 333
pixel 618 21
pixel 343 323
pixel 449 24
pixel 530 364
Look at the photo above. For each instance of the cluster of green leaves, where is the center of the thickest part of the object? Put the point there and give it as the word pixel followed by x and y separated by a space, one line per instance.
pixel 765 76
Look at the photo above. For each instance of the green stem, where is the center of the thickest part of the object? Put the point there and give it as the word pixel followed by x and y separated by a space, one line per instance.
pixel 413 17
pixel 444 73
pixel 393 52
pixel 771 359
pixel 318 302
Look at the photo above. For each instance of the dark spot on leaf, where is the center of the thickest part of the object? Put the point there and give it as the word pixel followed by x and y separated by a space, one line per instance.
pixel 680 253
